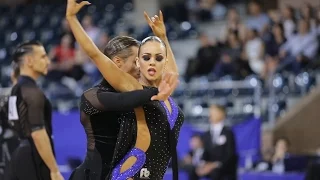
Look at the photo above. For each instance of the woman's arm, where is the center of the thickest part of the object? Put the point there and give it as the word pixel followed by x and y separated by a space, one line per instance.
pixel 118 79
pixel 159 29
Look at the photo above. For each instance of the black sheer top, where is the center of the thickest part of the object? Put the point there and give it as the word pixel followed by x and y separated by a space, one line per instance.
pixel 28 108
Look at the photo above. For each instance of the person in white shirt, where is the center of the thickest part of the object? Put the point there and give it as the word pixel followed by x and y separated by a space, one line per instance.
pixel 219 156
pixel 281 151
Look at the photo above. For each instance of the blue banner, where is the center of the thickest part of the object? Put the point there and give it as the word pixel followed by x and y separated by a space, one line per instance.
pixel 248 138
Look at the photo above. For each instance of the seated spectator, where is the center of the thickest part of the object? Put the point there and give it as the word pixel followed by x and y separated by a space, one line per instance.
pixel 257 19
pixel 230 55
pixel 280 153
pixel 220 158
pixel 299 49
pixel 64 62
pixel 254 51
pixel 289 21
pixel 192 160
pixel 206 58
pixel 272 50
pixel 233 24
pixel 306 12
pixel 211 10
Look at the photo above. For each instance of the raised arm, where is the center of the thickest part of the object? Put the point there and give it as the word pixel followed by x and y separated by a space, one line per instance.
pixel 158 27
pixel 118 79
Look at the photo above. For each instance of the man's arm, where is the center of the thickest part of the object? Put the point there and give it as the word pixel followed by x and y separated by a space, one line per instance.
pixel 113 101
pixel 35 101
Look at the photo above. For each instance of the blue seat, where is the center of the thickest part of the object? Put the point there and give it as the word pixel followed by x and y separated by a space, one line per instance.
pixel 46 35
pixel 28 35
pixel 20 22
pixel 38 21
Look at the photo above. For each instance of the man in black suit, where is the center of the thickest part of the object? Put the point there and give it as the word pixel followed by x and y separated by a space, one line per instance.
pixel 220 158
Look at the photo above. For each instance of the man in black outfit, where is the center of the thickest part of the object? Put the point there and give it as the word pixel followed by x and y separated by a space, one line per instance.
pixel 101 107
pixel 220 158
pixel 29 112
pixel 8 138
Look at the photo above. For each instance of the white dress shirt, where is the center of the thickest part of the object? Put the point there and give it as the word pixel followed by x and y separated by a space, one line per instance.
pixel 215 130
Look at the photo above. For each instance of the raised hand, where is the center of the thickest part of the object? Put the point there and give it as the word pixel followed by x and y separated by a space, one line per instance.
pixel 156 23
pixel 73 7
pixel 166 87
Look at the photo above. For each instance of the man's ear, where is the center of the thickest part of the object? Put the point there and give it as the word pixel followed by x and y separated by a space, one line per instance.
pixel 118 61
pixel 28 60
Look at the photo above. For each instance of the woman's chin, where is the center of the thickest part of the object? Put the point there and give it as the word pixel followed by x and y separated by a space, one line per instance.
pixel 152 78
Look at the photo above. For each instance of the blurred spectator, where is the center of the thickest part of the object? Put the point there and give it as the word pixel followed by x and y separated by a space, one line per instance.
pixel 103 41
pixel 275 16
pixel 280 153
pixel 272 50
pixel 299 49
pixel 257 19
pixel 207 56
pixel 289 21
pixel 90 28
pixel 306 12
pixel 254 51
pixel 230 55
pixel 65 29
pixel 233 24
pixel 64 62
pixel 192 160
pixel 211 10
pixel 220 158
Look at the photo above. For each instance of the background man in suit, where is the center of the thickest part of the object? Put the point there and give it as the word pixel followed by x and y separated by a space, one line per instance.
pixel 220 158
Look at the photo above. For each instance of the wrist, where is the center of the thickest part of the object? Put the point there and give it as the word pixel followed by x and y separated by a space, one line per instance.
pixel 54 170
pixel 163 37
pixel 70 16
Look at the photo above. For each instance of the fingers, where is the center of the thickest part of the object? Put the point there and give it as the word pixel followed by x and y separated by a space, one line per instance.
pixel 166 77
pixel 156 18
pixel 146 16
pixel 154 98
pixel 161 15
pixel 84 3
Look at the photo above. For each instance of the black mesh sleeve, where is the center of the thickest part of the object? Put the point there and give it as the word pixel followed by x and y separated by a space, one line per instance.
pixel 35 102
pixel 112 101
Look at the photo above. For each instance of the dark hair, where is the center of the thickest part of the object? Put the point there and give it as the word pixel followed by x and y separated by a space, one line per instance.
pixel 23 49
pixel 15 69
pixel 280 25
pixel 120 46
pixel 152 38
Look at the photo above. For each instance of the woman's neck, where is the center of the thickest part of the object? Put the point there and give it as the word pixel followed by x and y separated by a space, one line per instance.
pixel 144 81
